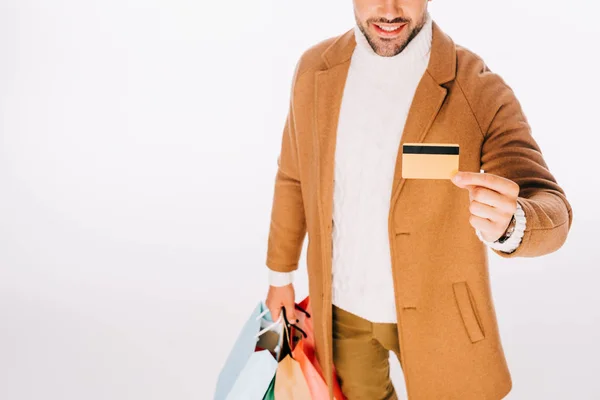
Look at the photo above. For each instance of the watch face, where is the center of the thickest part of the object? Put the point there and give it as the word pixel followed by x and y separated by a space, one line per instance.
pixel 513 225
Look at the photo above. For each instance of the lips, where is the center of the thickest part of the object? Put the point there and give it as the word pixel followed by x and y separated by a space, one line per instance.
pixel 388 30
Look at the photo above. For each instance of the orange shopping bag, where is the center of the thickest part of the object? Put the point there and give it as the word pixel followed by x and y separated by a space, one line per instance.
pixel 304 353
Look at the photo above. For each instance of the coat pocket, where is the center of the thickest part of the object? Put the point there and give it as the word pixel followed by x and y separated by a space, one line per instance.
pixel 468 311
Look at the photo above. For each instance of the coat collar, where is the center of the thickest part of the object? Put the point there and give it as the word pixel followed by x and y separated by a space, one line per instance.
pixel 329 88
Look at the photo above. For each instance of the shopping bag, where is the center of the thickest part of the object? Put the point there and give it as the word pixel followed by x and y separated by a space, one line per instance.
pixel 290 382
pixel 252 362
pixel 315 382
pixel 304 353
pixel 270 395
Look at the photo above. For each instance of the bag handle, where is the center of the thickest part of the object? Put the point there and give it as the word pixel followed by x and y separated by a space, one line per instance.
pixel 282 314
pixel 297 307
pixel 286 346
pixel 268 328
pixel 288 324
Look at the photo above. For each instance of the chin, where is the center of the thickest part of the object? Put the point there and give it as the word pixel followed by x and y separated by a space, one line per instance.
pixel 389 48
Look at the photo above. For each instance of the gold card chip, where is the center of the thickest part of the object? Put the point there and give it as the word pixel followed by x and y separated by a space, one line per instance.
pixel 429 160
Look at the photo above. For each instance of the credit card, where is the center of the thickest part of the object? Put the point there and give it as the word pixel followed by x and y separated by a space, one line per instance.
pixel 429 160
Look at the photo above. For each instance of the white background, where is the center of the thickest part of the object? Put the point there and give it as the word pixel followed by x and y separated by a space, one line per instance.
pixel 138 149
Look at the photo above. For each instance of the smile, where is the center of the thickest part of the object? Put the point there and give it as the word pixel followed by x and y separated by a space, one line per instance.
pixel 387 30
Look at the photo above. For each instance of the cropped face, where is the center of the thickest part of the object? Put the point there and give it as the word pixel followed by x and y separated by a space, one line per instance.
pixel 389 25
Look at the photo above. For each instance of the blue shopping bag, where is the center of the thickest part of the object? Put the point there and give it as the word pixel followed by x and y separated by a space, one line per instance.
pixel 252 362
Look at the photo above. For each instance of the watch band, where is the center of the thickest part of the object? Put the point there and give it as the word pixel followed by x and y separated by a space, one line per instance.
pixel 509 230
pixel 516 236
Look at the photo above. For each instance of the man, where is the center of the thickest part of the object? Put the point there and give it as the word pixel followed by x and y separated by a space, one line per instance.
pixel 400 264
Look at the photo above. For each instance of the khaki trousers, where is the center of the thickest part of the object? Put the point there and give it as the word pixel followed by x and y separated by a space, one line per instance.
pixel 361 351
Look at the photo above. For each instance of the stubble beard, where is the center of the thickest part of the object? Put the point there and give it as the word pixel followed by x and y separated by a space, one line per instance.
pixel 385 50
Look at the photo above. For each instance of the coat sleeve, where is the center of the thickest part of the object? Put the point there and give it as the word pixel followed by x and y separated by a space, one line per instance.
pixel 288 222
pixel 509 150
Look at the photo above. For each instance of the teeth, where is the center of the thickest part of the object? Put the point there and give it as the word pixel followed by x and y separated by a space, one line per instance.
pixel 388 29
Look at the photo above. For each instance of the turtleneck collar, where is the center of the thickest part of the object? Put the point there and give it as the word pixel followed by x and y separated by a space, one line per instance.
pixel 415 52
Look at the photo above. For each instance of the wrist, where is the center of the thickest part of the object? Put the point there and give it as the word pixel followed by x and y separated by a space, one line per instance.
pixel 279 279
pixel 508 232
pixel 514 241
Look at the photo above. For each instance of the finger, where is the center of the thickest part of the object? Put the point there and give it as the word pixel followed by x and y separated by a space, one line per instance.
pixel 490 181
pixel 492 198
pixel 275 311
pixel 483 224
pixel 290 313
pixel 485 211
pixel 470 189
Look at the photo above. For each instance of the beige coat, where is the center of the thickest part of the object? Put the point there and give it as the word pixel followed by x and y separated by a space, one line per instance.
pixel 448 333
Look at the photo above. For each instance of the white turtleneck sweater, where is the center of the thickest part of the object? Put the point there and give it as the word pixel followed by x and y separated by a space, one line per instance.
pixel 377 96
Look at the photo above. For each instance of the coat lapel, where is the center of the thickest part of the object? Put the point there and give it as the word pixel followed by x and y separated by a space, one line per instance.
pixel 428 99
pixel 426 103
pixel 329 88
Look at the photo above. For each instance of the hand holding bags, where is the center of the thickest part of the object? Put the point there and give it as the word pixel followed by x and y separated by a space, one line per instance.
pixel 290 382
pixel 275 363
pixel 285 386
